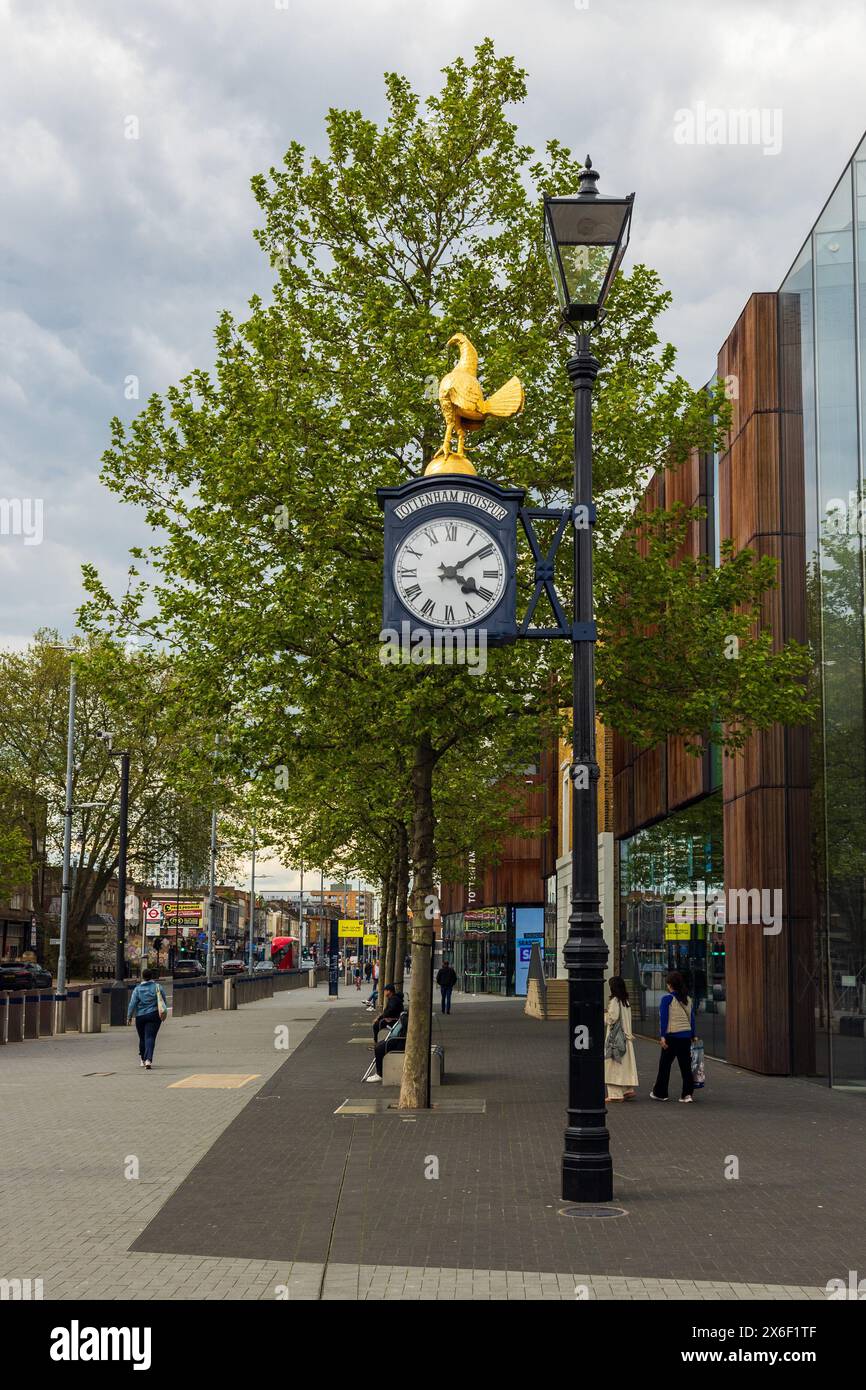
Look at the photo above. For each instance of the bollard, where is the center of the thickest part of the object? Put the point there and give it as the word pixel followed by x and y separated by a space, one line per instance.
pixel 73 1010
pixel 4 1019
pixel 31 1015
pixel 311 979
pixel 46 1014
pixel 229 996
pixel 91 1018
pixel 16 1016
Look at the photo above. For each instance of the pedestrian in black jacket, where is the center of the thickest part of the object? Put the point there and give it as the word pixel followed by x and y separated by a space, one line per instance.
pixel 393 1008
pixel 446 979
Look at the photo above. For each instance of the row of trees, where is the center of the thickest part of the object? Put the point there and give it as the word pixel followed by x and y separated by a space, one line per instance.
pixel 137 697
pixel 258 478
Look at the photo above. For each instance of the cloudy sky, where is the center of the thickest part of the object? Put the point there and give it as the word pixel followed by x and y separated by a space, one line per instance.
pixel 118 253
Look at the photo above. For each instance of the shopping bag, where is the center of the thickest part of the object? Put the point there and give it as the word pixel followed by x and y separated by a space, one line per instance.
pixel 698 1072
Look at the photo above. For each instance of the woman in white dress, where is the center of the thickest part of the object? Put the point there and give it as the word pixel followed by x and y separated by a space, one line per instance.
pixel 620 1067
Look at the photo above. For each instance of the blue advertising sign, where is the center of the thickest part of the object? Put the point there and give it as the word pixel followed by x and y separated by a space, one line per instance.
pixel 528 928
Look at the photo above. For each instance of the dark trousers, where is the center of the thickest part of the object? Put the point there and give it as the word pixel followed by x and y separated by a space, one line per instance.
pixel 679 1046
pixel 386 1045
pixel 446 998
pixel 148 1026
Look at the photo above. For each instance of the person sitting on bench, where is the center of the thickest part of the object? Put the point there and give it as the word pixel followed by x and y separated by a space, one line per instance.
pixel 391 1012
pixel 395 1042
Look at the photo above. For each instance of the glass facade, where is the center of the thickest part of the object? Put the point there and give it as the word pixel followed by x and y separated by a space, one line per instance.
pixel 671 917
pixel 489 947
pixel 822 342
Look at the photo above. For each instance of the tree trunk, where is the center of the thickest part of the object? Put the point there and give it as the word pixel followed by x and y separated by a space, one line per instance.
pixel 392 923
pixel 383 933
pixel 416 1067
pixel 402 904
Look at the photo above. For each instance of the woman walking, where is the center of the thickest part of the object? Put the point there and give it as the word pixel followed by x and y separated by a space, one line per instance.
pixel 620 1066
pixel 147 1005
pixel 677 1028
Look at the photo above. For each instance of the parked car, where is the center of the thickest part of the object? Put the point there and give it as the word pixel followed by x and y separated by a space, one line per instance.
pixel 234 967
pixel 188 969
pixel 23 974
pixel 264 967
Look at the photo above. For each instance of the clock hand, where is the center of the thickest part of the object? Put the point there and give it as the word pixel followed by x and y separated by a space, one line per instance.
pixel 461 563
pixel 468 586
pixel 449 572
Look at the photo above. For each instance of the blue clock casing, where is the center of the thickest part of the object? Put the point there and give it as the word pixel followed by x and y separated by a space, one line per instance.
pixel 472 524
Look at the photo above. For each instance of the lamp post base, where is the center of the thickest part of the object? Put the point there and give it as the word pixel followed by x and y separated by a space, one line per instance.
pixel 587 1177
pixel 118 996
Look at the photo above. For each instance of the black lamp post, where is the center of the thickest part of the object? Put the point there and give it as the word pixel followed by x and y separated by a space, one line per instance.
pixel 118 989
pixel 585 240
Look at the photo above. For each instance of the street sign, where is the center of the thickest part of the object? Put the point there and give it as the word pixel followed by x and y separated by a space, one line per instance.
pixel 54 941
pixel 370 938
pixel 153 916
pixel 349 927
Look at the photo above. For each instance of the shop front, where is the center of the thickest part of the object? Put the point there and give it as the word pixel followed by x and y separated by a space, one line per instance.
pixel 490 947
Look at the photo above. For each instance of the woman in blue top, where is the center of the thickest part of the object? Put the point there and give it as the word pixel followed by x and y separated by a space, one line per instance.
pixel 677 1028
pixel 144 1006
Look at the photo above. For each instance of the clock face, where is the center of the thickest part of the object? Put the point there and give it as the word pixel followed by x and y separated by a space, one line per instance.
pixel 450 572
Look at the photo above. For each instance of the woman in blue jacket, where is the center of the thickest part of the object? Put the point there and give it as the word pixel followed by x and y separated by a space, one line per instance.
pixel 144 1007
pixel 677 1028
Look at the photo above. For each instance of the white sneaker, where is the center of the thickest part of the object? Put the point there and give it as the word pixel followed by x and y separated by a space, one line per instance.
pixel 147 1066
pixel 374 1077
pixel 141 1061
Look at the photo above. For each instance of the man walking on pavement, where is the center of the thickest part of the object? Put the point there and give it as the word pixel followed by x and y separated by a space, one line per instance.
pixel 446 979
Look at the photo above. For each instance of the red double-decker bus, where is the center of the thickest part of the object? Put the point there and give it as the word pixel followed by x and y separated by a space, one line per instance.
pixel 284 952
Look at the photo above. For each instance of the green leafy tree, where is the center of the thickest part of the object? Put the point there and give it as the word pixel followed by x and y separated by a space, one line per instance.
pixel 135 696
pixel 260 476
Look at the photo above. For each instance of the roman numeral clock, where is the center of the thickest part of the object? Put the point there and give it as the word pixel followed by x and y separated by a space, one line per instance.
pixel 450 536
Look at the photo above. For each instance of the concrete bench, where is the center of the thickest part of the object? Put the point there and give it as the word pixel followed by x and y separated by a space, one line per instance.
pixel 392 1067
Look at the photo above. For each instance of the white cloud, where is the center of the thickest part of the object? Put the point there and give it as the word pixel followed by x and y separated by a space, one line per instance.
pixel 119 254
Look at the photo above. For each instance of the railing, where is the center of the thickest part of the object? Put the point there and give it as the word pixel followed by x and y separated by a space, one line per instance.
pixel 27 1014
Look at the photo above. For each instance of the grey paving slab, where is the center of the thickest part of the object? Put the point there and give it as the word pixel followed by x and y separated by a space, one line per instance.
pixel 496 1204
pixel 361 1221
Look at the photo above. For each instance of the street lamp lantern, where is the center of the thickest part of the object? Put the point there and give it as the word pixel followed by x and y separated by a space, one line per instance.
pixel 585 237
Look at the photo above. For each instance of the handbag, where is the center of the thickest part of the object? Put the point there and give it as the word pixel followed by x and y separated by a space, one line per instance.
pixel 698 1071
pixel 615 1045
pixel 161 1005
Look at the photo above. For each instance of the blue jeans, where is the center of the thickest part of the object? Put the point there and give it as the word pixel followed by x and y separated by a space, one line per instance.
pixel 446 998
pixel 148 1026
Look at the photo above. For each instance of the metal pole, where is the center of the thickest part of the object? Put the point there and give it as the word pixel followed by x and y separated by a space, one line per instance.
pixel 301 915
pixel 211 895
pixel 60 996
pixel 252 901
pixel 587 1169
pixel 118 989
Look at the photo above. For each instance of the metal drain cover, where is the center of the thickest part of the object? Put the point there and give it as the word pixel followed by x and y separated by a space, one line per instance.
pixel 590 1213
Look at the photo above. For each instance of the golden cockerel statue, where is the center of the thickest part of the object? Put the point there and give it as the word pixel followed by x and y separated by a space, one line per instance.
pixel 464 406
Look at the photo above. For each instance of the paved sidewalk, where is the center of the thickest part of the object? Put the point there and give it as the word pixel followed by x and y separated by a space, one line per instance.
pixel 263 1192
pixel 76 1108
pixel 368 1199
